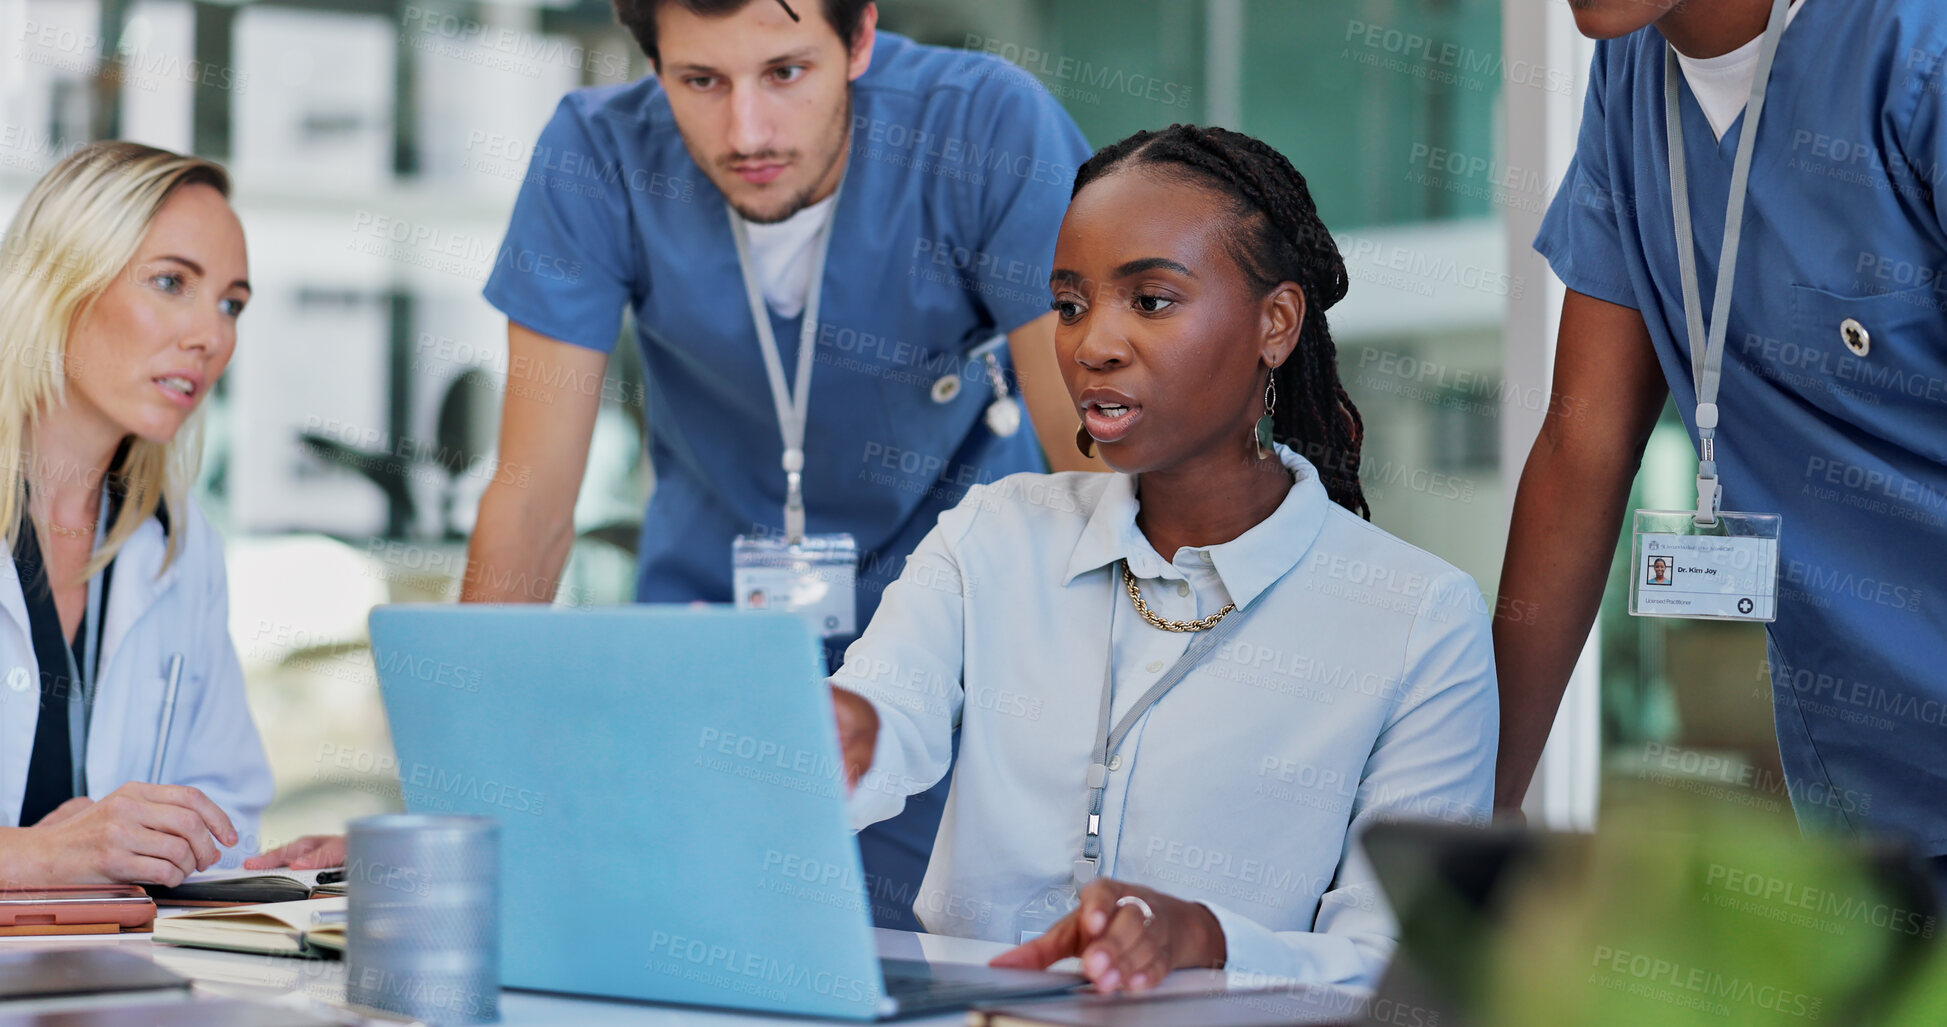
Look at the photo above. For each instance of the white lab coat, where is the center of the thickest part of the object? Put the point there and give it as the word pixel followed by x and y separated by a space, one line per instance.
pixel 213 743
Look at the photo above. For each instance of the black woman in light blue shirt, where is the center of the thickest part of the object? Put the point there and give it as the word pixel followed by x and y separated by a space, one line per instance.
pixel 1183 689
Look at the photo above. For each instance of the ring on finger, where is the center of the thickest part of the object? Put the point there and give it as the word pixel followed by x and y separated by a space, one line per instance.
pixel 1149 915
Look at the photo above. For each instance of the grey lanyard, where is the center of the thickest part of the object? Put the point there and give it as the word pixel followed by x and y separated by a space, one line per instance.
pixel 80 679
pixel 1107 741
pixel 1707 350
pixel 793 402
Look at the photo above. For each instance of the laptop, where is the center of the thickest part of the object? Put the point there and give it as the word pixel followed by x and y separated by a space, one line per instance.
pixel 671 801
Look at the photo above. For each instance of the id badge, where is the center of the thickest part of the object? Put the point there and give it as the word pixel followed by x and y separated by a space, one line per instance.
pixel 1045 910
pixel 816 579
pixel 1727 571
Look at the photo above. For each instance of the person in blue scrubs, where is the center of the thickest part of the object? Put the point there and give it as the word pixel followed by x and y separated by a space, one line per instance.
pixel 955 169
pixel 1834 384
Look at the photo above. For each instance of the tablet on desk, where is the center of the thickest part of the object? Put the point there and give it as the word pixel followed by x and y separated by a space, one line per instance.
pixel 91 970
pixel 87 909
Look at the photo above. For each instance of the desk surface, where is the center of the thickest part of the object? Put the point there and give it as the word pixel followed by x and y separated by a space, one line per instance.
pixel 279 979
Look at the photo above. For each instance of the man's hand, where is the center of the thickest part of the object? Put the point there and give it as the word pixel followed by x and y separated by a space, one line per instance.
pixel 138 834
pixel 858 733
pixel 311 852
pixel 1117 950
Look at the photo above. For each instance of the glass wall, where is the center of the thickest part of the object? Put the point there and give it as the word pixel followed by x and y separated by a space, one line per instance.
pixel 1388 108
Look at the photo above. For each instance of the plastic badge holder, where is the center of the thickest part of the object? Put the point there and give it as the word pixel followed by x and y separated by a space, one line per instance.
pixel 816 578
pixel 1723 571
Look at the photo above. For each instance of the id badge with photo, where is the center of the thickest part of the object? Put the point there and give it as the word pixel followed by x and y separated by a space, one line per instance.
pixel 816 578
pixel 1724 571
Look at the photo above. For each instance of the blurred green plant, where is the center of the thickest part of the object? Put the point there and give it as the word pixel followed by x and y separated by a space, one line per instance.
pixel 1685 911
pixel 1924 1002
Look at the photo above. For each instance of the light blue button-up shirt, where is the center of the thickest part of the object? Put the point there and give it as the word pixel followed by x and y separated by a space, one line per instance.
pixel 1360 687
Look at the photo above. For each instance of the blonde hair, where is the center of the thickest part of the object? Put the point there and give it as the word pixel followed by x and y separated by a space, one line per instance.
pixel 77 229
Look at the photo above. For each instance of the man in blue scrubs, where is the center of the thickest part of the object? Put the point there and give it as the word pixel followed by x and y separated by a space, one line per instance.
pixel 1834 381
pixel 955 169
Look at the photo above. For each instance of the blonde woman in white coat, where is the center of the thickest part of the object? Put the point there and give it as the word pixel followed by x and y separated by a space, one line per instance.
pixel 127 753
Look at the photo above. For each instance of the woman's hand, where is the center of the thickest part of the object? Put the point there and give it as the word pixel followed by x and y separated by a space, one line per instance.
pixel 858 733
pixel 1118 951
pixel 138 834
pixel 311 852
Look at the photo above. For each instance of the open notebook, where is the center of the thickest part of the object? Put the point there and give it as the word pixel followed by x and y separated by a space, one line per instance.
pixel 310 927
pixel 249 887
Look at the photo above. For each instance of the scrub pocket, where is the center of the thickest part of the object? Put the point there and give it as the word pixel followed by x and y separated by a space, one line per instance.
pixel 1879 362
pixel 932 402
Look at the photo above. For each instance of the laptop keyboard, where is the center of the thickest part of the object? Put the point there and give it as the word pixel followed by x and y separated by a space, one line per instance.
pixel 911 988
pixel 917 986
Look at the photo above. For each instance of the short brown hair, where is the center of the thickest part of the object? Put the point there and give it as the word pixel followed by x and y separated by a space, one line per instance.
pixel 639 17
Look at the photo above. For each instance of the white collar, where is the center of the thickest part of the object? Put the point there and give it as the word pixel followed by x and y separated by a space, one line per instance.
pixel 1722 84
pixel 1247 564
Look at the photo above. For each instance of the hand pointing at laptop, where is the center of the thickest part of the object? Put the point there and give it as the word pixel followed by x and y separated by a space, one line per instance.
pixel 1128 937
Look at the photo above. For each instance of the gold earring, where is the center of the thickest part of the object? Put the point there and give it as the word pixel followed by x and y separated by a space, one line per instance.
pixel 1261 436
pixel 1084 441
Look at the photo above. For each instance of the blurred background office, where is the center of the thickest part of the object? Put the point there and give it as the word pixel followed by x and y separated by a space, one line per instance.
pixel 377 147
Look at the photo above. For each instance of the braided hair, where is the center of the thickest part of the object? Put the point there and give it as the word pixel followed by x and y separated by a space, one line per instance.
pixel 1281 240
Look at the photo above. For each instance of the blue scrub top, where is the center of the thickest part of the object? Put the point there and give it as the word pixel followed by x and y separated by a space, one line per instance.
pixel 1848 200
pixel 959 173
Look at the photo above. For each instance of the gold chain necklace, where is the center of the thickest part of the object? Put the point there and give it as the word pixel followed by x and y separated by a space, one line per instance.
pixel 1201 624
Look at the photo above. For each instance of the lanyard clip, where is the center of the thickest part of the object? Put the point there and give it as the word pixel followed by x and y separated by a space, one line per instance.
pixel 1710 499
pixel 794 512
pixel 1710 494
pixel 794 496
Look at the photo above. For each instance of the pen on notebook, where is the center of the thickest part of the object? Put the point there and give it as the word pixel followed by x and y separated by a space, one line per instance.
pixel 168 713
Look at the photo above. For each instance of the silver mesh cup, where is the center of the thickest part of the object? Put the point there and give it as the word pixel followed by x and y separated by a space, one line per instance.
pixel 423 928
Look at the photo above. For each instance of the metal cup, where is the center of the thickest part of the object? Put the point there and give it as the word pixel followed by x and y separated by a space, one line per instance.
pixel 423 927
